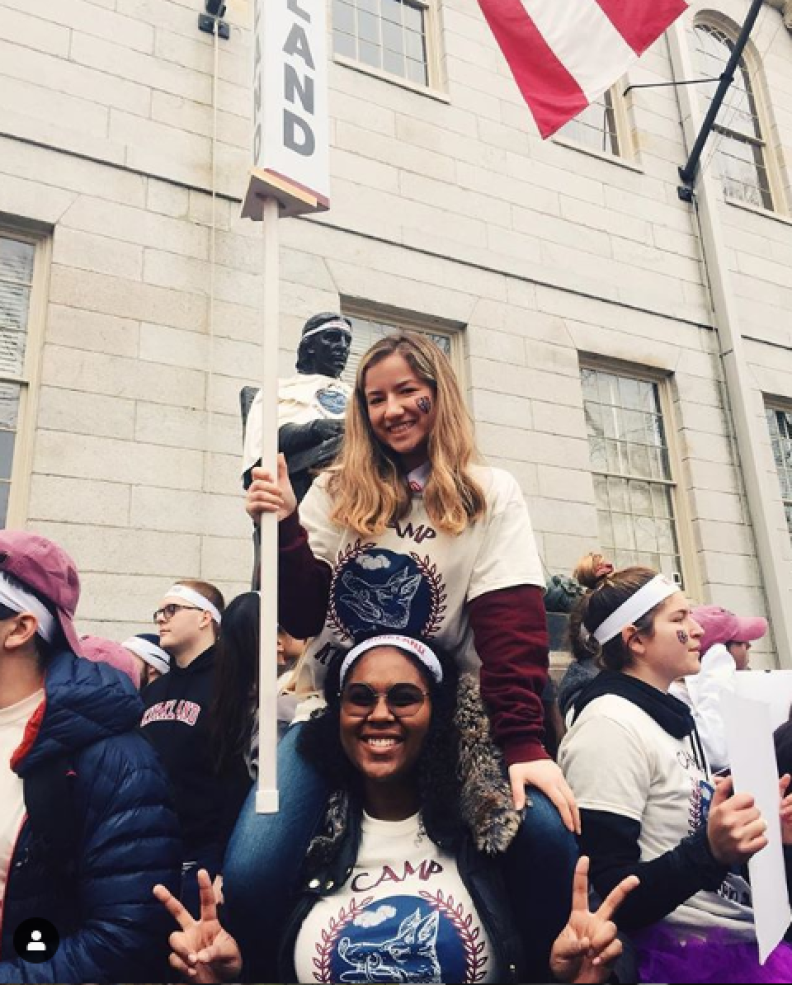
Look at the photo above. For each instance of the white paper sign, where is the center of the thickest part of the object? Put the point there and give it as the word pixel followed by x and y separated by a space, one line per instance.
pixel 771 686
pixel 749 739
pixel 290 112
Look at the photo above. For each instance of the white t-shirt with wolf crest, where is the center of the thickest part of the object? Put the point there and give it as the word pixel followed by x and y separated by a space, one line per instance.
pixel 403 915
pixel 414 579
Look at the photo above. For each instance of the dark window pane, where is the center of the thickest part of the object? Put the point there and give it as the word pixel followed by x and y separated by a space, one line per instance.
pixel 16 260
pixel 6 453
pixel 5 489
pixel 9 405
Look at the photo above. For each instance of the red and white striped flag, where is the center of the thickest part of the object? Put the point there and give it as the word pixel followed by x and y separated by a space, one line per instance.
pixel 565 53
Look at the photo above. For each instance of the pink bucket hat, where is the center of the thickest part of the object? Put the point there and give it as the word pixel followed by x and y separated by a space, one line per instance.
pixel 722 626
pixel 48 571
pixel 97 648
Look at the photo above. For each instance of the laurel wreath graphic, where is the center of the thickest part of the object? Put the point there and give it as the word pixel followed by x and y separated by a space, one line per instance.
pixel 326 946
pixel 475 960
pixel 344 557
pixel 429 571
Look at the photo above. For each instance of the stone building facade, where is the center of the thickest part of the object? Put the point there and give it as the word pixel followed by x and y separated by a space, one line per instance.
pixel 591 311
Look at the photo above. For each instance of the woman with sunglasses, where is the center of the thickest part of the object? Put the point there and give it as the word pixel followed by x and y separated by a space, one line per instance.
pixel 649 804
pixel 412 877
pixel 406 533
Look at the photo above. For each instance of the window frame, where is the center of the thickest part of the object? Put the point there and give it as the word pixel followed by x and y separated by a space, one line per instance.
pixel 751 65
pixel 435 80
pixel 779 406
pixel 408 322
pixel 30 379
pixel 662 380
pixel 623 133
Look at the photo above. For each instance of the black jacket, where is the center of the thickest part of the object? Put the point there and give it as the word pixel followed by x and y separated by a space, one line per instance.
pixel 176 722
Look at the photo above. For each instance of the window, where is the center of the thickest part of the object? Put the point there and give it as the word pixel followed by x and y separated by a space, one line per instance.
pixel 368 329
pixel 389 35
pixel 596 127
pixel 780 425
pixel 633 484
pixel 740 151
pixel 17 267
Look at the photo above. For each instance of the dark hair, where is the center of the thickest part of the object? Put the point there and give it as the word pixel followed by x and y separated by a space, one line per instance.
pixel 595 607
pixel 44 650
pixel 439 786
pixel 304 357
pixel 235 680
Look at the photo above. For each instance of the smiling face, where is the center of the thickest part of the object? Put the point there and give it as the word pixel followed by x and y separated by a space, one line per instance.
pixel 401 408
pixel 382 746
pixel 672 650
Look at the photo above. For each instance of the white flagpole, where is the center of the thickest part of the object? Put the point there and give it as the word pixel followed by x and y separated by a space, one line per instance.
pixel 267 793
pixel 290 176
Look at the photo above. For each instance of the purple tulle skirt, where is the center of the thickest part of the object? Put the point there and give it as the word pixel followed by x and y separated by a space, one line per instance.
pixel 669 955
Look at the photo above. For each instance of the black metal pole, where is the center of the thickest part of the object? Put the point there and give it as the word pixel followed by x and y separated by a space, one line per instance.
pixel 688 172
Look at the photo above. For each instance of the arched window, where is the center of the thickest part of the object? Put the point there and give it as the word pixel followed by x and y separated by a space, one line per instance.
pixel 741 153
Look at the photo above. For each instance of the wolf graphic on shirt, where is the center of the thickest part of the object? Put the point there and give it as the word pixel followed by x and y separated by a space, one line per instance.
pixel 409 956
pixel 385 605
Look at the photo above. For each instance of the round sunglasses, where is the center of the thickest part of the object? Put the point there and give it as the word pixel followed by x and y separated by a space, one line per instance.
pixel 402 700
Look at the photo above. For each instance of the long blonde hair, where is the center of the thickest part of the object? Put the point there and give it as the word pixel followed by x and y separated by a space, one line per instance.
pixel 367 486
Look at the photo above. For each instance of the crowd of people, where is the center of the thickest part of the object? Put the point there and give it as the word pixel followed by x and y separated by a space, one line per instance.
pixel 424 831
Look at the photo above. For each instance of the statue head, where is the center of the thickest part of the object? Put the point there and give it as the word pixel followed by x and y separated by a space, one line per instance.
pixel 325 343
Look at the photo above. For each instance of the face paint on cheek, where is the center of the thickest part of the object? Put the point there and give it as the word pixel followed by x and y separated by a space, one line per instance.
pixel 682 636
pixel 424 404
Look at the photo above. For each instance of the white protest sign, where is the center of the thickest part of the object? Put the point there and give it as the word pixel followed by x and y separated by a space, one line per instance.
pixel 290 111
pixel 771 686
pixel 749 738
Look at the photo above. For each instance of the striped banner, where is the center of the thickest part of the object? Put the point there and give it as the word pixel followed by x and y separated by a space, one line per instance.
pixel 565 53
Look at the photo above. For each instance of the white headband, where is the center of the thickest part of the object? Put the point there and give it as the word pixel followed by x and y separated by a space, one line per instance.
pixel 419 650
pixel 637 605
pixel 326 326
pixel 190 595
pixel 154 655
pixel 14 596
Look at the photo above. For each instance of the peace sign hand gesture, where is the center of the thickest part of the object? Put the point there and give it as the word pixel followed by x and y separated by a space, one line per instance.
pixel 202 951
pixel 586 948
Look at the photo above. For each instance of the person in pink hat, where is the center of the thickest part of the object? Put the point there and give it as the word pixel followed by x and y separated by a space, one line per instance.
pixel 86 822
pixel 725 648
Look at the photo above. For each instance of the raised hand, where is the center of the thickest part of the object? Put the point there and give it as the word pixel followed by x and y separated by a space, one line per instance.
pixel 735 828
pixel 202 951
pixel 586 948
pixel 268 495
pixel 546 776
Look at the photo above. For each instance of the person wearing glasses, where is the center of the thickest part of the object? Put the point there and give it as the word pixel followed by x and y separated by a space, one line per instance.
pixel 177 723
pixel 411 877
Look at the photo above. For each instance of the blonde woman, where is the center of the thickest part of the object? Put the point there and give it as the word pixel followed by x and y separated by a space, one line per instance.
pixel 406 534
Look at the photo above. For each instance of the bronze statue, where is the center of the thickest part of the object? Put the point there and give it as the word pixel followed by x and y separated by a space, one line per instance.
pixel 311 405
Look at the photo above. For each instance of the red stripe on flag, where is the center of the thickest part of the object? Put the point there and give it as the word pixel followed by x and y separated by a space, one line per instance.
pixel 641 22
pixel 552 94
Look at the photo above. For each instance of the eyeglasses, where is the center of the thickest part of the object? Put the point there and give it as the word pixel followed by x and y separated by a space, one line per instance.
pixel 403 700
pixel 169 611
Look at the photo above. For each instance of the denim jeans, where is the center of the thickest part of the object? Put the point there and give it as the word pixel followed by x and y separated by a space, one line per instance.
pixel 266 852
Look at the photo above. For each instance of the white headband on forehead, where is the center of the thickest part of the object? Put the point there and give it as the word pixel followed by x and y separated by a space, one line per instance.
pixel 154 655
pixel 14 596
pixel 335 323
pixel 190 595
pixel 420 650
pixel 647 597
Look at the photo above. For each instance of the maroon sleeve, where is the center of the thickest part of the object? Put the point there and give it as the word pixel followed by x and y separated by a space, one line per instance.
pixel 303 581
pixel 510 633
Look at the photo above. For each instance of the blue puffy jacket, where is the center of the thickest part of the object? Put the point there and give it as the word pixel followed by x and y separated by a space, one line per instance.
pixel 116 800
